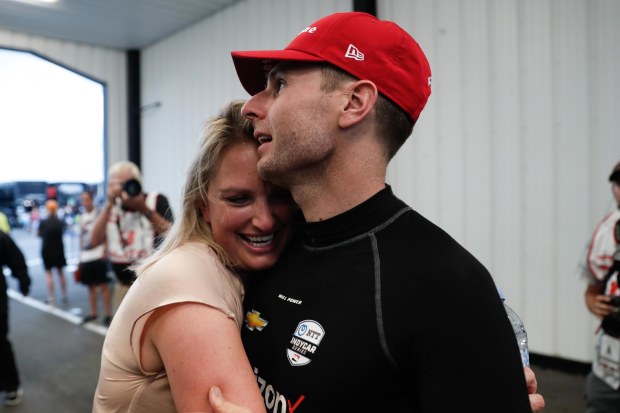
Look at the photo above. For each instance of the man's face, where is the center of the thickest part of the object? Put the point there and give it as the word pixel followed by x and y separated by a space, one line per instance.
pixel 87 201
pixel 293 120
pixel 615 189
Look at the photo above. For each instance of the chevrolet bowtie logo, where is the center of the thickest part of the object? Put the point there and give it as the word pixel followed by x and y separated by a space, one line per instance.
pixel 253 321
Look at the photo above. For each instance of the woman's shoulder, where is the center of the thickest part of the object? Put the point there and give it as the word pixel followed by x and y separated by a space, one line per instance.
pixel 192 272
pixel 192 260
pixel 190 252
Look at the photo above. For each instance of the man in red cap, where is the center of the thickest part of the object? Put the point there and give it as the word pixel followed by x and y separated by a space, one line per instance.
pixel 373 307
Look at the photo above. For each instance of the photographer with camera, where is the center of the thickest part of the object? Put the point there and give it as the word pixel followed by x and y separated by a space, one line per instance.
pixel 603 300
pixel 132 223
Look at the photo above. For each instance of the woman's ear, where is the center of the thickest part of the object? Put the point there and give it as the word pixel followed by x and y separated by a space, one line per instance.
pixel 204 210
pixel 362 96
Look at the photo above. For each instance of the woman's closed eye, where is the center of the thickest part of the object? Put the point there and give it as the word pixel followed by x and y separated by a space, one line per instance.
pixel 238 200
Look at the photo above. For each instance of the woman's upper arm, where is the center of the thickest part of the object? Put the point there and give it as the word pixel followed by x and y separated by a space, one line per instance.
pixel 201 347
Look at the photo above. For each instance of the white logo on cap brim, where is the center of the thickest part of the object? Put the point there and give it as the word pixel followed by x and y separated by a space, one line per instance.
pixel 354 53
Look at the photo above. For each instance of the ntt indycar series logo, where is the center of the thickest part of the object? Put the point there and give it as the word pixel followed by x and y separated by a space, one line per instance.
pixel 304 343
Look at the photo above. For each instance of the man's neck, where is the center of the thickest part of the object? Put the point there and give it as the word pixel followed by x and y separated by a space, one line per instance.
pixel 319 203
pixel 337 187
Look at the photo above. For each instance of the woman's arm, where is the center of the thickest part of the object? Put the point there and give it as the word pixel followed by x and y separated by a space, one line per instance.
pixel 199 347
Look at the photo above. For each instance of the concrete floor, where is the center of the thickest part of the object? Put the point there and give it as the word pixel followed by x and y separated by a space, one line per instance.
pixel 563 392
pixel 58 361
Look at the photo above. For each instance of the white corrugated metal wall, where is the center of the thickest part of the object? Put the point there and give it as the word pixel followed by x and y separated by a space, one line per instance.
pixel 514 150
pixel 104 64
pixel 510 156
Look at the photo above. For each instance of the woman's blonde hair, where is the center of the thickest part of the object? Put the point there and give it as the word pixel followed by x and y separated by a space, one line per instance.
pixel 227 128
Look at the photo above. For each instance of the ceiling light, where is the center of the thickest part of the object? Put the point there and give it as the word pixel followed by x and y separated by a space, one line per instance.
pixel 38 2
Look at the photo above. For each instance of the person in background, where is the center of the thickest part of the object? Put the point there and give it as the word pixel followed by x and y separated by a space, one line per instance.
pixel 93 265
pixel 4 223
pixel 11 257
pixel 373 308
pixel 35 218
pixel 51 231
pixel 131 222
pixel 176 332
pixel 602 298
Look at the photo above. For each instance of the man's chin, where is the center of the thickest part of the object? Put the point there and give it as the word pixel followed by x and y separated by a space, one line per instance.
pixel 268 172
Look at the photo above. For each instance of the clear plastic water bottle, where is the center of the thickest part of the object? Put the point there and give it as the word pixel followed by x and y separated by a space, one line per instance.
pixel 519 329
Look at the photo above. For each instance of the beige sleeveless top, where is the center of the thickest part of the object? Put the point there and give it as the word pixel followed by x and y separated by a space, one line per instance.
pixel 191 273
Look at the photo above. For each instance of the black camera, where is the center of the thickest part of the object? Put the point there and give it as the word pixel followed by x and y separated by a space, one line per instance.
pixel 132 187
pixel 611 322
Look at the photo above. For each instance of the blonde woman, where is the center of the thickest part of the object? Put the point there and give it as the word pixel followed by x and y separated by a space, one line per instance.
pixel 176 334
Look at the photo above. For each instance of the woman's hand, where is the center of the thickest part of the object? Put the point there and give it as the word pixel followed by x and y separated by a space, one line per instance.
pixel 219 405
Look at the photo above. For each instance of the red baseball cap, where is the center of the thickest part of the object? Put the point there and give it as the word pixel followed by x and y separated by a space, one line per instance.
pixel 361 45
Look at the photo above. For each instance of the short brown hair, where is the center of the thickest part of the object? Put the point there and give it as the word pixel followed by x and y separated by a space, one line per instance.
pixel 393 123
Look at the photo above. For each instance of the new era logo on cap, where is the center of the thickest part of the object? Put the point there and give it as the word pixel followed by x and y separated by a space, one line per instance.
pixel 354 53
pixel 361 45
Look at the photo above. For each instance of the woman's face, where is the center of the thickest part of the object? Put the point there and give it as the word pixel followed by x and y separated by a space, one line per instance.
pixel 249 218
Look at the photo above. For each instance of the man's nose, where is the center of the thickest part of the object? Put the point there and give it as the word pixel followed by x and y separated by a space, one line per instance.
pixel 254 107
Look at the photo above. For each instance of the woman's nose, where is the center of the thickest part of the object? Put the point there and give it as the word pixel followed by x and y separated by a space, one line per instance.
pixel 263 217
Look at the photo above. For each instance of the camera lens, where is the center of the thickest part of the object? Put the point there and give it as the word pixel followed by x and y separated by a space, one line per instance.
pixel 611 324
pixel 132 187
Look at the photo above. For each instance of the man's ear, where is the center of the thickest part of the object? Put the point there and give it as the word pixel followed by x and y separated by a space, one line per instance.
pixel 362 96
pixel 204 210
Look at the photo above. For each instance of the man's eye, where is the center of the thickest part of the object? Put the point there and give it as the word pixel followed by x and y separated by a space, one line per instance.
pixel 278 86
